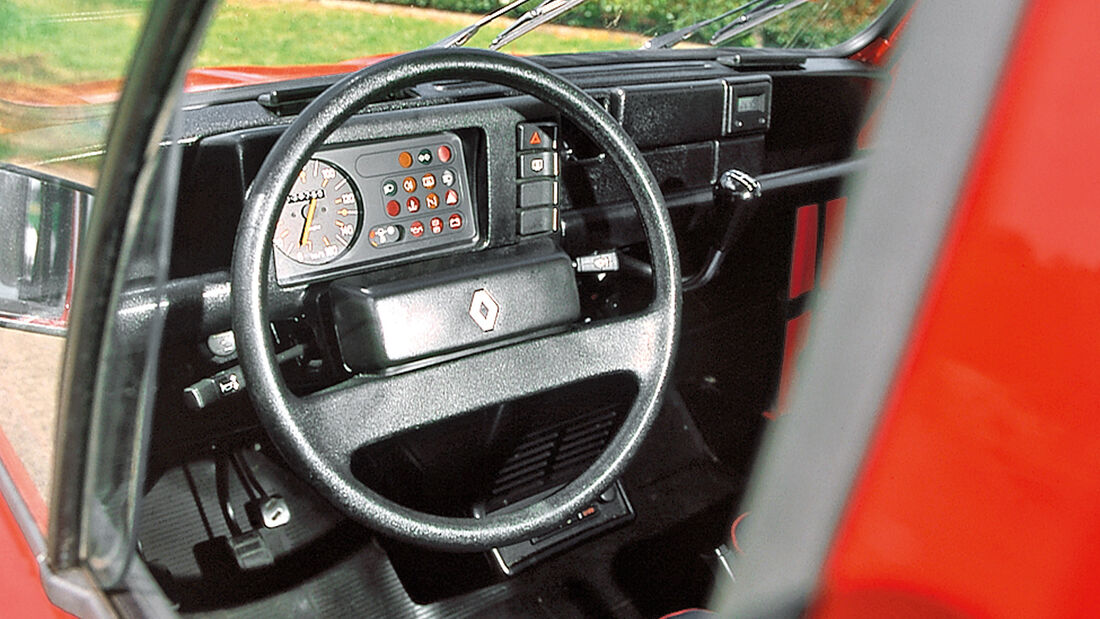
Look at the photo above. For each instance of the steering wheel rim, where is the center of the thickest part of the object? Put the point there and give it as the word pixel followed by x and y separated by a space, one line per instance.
pixel 304 429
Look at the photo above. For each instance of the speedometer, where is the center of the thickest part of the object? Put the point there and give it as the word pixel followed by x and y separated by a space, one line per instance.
pixel 320 218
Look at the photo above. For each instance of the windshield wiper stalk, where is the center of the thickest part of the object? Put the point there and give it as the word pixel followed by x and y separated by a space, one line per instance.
pixel 670 39
pixel 463 36
pixel 753 19
pixel 544 12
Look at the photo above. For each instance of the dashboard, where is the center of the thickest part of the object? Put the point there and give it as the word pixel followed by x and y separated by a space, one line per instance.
pixel 532 195
pixel 522 173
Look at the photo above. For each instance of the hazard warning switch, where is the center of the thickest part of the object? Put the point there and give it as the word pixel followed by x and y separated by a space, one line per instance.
pixel 537 136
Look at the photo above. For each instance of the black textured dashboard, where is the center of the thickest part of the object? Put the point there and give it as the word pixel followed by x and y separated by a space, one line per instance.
pixel 680 108
pixel 692 114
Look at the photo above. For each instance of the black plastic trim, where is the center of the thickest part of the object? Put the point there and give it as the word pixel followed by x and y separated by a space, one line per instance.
pixel 379 326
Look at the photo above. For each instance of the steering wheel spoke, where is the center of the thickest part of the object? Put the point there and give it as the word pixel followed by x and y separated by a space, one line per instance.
pixel 364 410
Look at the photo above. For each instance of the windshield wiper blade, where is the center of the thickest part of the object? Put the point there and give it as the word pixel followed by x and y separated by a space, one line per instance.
pixel 463 36
pixel 753 19
pixel 670 39
pixel 549 9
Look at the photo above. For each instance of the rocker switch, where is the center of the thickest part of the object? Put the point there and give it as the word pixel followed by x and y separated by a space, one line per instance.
pixel 535 136
pixel 538 193
pixel 538 165
pixel 598 263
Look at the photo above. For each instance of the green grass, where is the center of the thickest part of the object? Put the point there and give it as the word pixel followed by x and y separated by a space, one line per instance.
pixel 46 43
pixel 57 42
pixel 250 32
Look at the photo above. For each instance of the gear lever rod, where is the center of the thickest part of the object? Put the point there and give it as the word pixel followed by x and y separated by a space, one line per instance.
pixel 736 192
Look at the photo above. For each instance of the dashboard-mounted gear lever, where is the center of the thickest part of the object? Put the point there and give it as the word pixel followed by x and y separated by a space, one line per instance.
pixel 735 193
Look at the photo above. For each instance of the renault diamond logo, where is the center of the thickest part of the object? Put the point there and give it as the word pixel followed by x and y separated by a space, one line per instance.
pixel 484 309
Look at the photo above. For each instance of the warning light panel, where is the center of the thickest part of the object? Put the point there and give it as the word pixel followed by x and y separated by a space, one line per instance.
pixel 412 198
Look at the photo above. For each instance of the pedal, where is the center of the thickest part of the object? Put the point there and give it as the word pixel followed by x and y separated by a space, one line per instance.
pixel 251 551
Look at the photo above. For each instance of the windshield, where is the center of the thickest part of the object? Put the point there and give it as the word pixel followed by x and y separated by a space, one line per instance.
pixel 62 61
pixel 257 32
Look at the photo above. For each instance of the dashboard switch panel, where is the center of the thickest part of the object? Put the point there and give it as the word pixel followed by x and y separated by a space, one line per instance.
pixel 537 178
pixel 416 199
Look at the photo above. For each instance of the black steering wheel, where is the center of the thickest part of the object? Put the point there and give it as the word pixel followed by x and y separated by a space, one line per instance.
pixel 318 433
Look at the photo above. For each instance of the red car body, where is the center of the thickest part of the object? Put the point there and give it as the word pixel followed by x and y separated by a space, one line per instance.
pixel 991 424
pixel 980 491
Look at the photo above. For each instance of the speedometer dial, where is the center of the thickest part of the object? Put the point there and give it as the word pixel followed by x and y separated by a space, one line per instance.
pixel 320 218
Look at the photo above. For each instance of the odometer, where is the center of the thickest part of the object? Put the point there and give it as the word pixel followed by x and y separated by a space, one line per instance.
pixel 321 215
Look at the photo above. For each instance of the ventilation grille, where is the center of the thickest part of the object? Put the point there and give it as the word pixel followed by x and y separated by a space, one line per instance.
pixel 585 77
pixel 290 101
pixel 553 456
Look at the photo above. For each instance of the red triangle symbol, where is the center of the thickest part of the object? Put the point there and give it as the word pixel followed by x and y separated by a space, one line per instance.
pixel 535 139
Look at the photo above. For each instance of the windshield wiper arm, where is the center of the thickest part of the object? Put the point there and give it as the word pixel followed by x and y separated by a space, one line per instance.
pixel 544 12
pixel 753 19
pixel 463 36
pixel 670 39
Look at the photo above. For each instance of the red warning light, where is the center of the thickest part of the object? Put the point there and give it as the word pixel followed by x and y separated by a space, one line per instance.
pixel 535 139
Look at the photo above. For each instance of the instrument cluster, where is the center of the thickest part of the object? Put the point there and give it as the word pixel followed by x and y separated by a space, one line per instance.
pixel 367 203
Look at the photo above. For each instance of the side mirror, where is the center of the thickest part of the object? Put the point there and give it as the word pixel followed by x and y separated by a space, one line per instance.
pixel 41 218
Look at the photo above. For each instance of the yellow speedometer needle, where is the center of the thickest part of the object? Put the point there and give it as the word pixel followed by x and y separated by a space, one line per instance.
pixel 309 221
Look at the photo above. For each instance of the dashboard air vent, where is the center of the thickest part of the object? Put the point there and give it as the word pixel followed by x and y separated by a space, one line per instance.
pixel 552 456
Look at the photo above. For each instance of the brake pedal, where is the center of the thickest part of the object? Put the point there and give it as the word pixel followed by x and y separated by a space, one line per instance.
pixel 250 550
